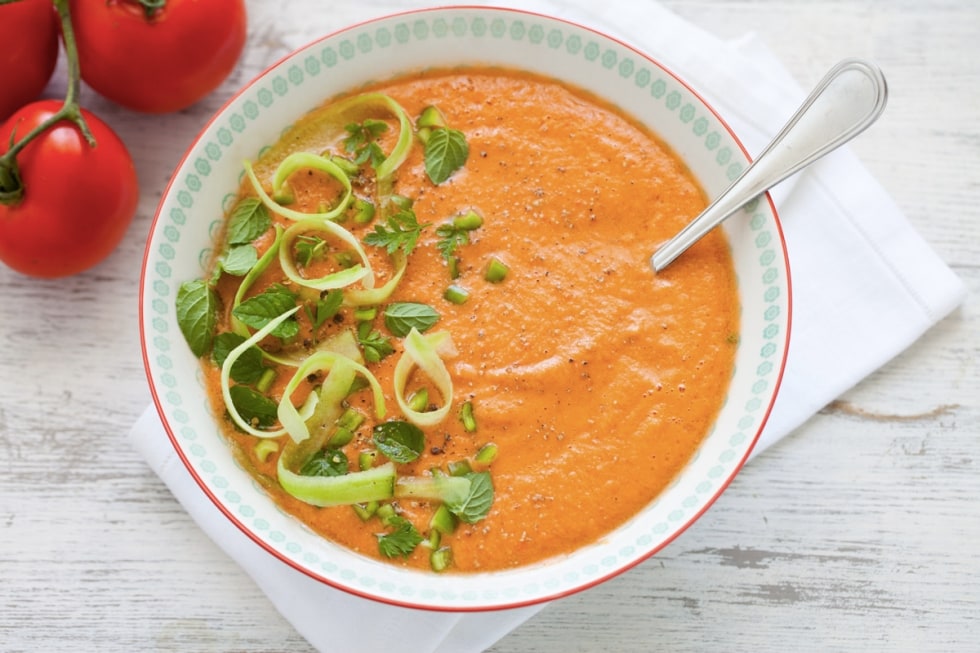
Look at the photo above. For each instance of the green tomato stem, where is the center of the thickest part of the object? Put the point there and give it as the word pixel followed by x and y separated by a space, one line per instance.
pixel 11 184
pixel 151 7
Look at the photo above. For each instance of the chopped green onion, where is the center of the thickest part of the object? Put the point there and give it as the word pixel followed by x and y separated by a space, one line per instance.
pixel 365 313
pixel 265 448
pixel 341 436
pixel 363 211
pixel 453 262
pixel 456 294
pixel 487 454
pixel 400 201
pixel 366 510
pixel 435 537
pixel 468 221
pixel 496 270
pixel 386 511
pixel 467 417
pixel 443 521
pixel 441 559
pixel 266 380
pixel 459 468
pixel 419 400
pixel 347 424
pixel 351 419
pixel 365 459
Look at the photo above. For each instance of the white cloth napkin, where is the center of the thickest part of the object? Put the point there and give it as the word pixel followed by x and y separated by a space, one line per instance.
pixel 865 287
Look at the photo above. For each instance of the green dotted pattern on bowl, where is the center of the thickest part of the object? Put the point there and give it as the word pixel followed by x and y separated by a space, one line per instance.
pixel 662 89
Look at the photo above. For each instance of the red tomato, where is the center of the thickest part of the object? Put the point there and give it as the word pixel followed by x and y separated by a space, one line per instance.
pixel 78 200
pixel 163 63
pixel 29 38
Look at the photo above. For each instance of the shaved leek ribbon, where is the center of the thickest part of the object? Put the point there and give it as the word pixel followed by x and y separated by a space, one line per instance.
pixel 400 152
pixel 370 296
pixel 374 484
pixel 424 352
pixel 336 387
pixel 361 272
pixel 233 356
pixel 291 164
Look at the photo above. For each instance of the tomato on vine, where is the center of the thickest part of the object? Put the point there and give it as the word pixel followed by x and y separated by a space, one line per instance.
pixel 158 56
pixel 29 38
pixel 68 186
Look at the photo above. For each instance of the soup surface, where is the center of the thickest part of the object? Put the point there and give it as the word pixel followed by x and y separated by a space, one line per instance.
pixel 592 379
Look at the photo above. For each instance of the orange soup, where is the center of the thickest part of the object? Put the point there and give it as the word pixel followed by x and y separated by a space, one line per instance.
pixel 498 377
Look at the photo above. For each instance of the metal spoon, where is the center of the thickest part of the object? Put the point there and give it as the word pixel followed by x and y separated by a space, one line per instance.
pixel 845 102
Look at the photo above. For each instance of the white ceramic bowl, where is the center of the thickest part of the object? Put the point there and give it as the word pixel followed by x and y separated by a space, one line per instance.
pixel 189 215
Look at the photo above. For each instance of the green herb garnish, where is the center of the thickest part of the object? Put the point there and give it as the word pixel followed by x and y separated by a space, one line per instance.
pixel 401 317
pixel 446 151
pixel 249 220
pixel 325 308
pixel 197 314
pixel 255 408
pixel 400 441
pixel 326 462
pixel 309 248
pixel 259 310
pixel 248 368
pixel 238 260
pixel 376 346
pixel 361 141
pixel 401 541
pixel 400 230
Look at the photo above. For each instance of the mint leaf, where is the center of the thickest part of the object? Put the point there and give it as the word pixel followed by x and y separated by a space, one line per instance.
pixel 401 541
pixel 401 317
pixel 477 503
pixel 197 314
pixel 399 441
pixel 249 220
pixel 248 368
pixel 446 152
pixel 259 310
pixel 326 463
pixel 239 259
pixel 254 407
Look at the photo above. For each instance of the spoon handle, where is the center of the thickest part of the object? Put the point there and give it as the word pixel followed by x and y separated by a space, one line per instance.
pixel 845 102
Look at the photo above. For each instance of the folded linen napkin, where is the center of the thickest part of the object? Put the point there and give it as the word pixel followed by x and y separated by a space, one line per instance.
pixel 884 288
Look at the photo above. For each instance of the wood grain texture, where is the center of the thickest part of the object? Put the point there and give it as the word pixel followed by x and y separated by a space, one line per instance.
pixel 857 532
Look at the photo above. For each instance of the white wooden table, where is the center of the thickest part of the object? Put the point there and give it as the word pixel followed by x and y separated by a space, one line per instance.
pixel 860 531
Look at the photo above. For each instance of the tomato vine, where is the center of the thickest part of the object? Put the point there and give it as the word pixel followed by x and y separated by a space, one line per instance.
pixel 11 184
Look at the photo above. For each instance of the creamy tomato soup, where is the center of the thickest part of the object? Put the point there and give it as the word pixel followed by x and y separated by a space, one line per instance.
pixel 486 333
